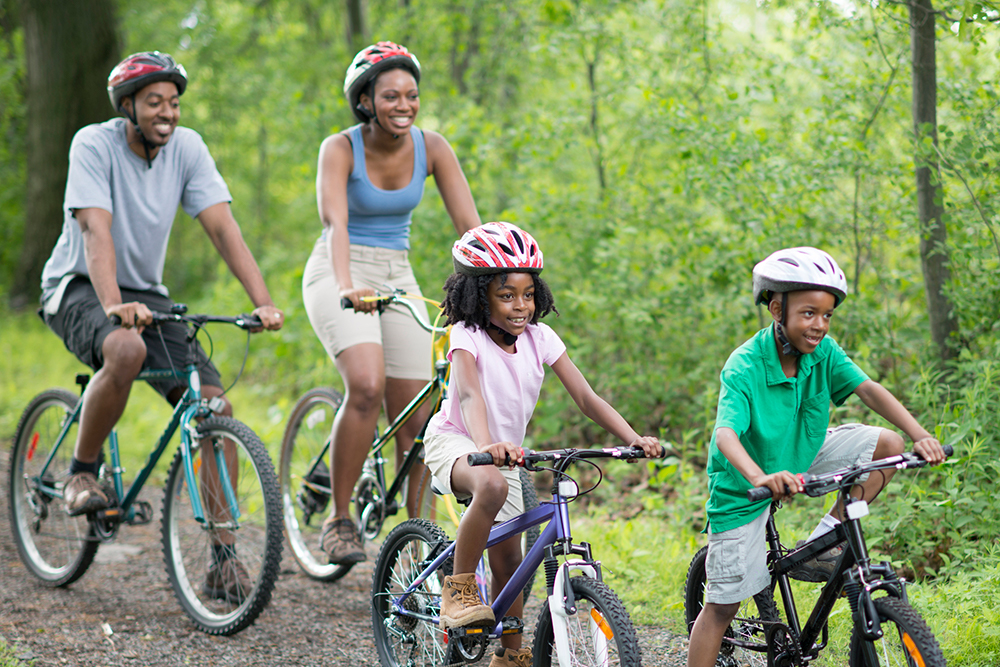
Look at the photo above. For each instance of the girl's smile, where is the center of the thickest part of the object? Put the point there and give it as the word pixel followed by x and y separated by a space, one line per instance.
pixel 512 304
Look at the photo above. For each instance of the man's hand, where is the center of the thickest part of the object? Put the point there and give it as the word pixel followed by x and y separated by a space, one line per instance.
pixel 782 484
pixel 930 450
pixel 133 315
pixel 271 317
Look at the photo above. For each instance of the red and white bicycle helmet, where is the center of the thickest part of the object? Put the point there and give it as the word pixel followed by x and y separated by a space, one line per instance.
pixel 795 269
pixel 496 247
pixel 141 69
pixel 369 63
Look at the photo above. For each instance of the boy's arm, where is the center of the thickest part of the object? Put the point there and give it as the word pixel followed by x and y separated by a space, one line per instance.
pixel 597 409
pixel 473 406
pixel 729 444
pixel 879 399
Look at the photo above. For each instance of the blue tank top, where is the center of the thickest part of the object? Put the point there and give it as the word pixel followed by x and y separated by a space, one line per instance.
pixel 377 217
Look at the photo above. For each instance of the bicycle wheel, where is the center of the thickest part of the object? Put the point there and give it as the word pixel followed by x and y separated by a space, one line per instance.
pixel 435 508
pixel 55 547
pixel 404 640
pixel 749 627
pixel 304 474
pixel 600 633
pixel 906 642
pixel 255 534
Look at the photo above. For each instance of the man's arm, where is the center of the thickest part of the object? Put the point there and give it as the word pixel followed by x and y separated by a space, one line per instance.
pixel 99 253
pixel 881 400
pixel 222 228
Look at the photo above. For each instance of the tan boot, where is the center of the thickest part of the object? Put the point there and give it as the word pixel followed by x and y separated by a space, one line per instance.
pixel 461 605
pixel 511 657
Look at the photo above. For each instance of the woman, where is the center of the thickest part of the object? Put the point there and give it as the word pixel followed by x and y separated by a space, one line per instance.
pixel 370 179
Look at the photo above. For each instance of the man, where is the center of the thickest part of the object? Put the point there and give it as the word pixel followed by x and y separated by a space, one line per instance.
pixel 126 179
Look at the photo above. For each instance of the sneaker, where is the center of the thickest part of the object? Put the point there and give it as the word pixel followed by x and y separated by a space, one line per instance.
pixel 461 605
pixel 228 581
pixel 83 494
pixel 820 568
pixel 341 542
pixel 511 657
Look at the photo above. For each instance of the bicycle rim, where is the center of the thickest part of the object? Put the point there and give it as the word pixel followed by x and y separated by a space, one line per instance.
pixel 401 640
pixel 599 633
pixel 55 547
pixel 256 534
pixel 305 481
pixel 906 640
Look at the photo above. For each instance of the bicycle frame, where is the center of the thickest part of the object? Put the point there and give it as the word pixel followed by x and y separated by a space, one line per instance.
pixel 189 407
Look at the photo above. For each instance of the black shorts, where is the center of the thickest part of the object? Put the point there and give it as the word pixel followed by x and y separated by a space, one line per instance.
pixel 83 326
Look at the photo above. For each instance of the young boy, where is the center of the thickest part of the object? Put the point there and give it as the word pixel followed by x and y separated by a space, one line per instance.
pixel 772 423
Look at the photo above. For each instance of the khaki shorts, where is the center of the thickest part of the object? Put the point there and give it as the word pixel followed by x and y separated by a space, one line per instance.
pixel 405 345
pixel 442 450
pixel 737 558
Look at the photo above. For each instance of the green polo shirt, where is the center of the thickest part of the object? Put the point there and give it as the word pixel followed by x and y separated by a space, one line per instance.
pixel 781 421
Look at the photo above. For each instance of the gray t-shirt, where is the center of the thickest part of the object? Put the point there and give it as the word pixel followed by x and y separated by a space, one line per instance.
pixel 105 173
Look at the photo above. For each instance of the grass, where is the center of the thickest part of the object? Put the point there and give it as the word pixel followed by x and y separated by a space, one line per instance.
pixel 8 658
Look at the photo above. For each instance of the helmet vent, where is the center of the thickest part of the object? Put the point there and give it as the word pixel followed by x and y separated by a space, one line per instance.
pixel 520 243
pixel 788 260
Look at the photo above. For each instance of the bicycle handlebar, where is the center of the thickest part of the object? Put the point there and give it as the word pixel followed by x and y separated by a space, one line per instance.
pixel 397 296
pixel 818 485
pixel 246 322
pixel 530 457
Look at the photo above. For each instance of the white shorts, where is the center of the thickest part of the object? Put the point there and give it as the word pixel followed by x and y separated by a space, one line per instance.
pixel 737 558
pixel 406 346
pixel 441 450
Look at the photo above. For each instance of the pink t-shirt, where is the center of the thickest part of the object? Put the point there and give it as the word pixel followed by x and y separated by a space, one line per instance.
pixel 510 382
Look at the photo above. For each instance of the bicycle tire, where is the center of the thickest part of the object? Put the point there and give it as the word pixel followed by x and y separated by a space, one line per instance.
pixel 187 544
pixel 54 546
pixel 304 506
pixel 529 496
pixel 400 640
pixel 908 643
pixel 749 625
pixel 600 615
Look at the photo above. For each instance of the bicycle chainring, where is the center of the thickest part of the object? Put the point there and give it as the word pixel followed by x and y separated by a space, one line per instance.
pixel 782 649
pixel 369 504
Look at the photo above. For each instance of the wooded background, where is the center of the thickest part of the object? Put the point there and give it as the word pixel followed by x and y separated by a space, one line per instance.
pixel 656 148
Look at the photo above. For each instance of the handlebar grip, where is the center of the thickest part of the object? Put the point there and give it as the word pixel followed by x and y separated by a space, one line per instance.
pixel 948 450
pixel 759 493
pixel 117 321
pixel 252 322
pixel 481 459
pixel 346 304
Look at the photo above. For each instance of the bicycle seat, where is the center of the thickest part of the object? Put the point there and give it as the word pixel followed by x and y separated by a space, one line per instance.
pixel 439 489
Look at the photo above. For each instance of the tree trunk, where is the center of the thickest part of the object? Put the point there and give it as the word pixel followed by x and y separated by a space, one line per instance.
pixel 355 26
pixel 70 47
pixel 933 233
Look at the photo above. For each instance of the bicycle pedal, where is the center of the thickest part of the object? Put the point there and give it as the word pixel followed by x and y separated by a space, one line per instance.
pixel 512 625
pixel 109 514
pixel 142 514
pixel 471 631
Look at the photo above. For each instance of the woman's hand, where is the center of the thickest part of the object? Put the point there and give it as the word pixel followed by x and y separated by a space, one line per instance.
pixel 354 295
pixel 505 453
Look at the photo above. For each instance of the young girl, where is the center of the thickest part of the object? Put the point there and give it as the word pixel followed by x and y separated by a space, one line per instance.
pixel 498 352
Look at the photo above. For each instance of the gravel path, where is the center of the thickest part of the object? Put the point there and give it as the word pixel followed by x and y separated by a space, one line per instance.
pixel 306 623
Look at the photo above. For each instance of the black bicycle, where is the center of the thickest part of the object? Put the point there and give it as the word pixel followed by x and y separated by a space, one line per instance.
pixel 887 630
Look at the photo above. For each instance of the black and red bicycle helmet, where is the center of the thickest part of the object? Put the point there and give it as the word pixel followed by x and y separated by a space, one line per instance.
pixel 141 69
pixel 369 63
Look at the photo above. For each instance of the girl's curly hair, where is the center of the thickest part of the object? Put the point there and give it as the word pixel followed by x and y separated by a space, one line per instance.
pixel 467 302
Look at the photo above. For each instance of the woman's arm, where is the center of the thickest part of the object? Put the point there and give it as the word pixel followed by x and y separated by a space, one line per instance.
pixel 454 188
pixel 473 406
pixel 336 160
pixel 597 409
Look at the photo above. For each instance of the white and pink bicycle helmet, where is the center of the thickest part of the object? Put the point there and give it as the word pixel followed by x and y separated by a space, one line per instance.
pixel 794 269
pixel 496 247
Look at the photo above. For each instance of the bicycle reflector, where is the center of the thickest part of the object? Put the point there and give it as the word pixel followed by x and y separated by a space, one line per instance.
pixel 602 624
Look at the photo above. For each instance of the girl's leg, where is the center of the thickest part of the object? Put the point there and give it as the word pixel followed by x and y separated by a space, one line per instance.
pixel 504 559
pixel 398 394
pixel 707 633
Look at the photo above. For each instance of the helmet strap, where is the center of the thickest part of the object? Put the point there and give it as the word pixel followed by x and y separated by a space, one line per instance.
pixel 787 348
pixel 508 337
pixel 142 137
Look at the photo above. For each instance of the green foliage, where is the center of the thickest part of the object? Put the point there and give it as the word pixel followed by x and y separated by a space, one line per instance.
pixel 8 657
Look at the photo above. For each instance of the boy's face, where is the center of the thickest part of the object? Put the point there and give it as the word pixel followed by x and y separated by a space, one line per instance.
pixel 807 317
pixel 512 304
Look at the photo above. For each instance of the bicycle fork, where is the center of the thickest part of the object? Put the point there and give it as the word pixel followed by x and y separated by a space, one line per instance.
pixel 562 605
